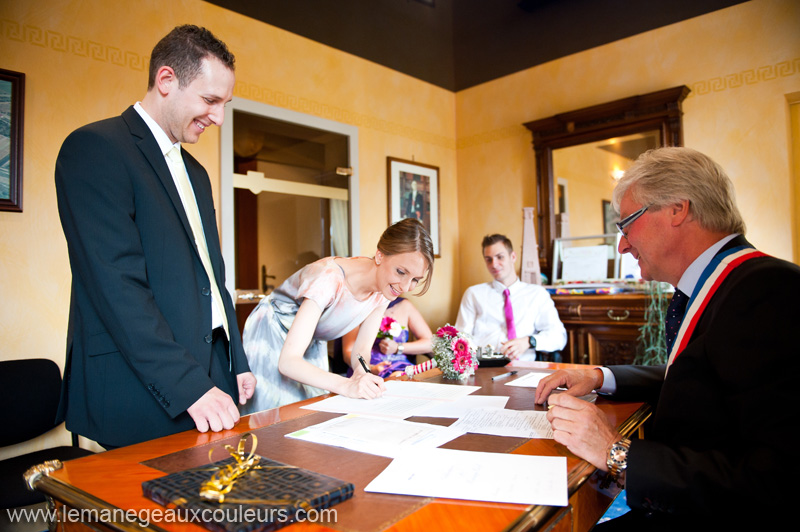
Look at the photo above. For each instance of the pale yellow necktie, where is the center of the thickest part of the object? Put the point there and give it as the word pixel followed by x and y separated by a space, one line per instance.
pixel 193 214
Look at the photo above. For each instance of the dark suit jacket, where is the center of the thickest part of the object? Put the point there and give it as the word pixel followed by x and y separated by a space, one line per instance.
pixel 139 349
pixel 415 208
pixel 721 448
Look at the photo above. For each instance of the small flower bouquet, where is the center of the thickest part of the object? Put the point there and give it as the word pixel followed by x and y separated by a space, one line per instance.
pixel 453 353
pixel 390 328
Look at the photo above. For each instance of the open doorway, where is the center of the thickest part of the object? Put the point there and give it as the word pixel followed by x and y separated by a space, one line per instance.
pixel 289 192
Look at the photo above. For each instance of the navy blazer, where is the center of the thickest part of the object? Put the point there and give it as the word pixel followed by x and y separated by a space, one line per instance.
pixel 721 448
pixel 139 349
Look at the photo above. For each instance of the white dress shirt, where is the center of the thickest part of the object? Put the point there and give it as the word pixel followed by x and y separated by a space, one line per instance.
pixel 482 315
pixel 166 145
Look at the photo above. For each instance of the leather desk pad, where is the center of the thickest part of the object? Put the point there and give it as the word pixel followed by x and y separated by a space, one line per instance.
pixel 365 512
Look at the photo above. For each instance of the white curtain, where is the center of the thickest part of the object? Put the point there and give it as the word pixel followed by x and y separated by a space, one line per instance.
pixel 339 228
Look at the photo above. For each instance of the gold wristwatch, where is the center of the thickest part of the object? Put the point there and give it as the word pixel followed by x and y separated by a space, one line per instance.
pixel 617 460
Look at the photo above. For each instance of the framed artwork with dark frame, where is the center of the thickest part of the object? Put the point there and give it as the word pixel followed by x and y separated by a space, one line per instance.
pixel 414 193
pixel 12 105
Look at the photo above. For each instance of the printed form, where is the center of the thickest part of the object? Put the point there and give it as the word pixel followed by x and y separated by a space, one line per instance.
pixel 379 436
pixel 477 476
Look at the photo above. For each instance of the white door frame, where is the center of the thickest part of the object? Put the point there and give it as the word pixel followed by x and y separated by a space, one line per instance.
pixel 226 173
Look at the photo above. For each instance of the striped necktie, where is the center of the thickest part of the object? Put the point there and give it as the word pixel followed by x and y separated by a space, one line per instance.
pixel 193 214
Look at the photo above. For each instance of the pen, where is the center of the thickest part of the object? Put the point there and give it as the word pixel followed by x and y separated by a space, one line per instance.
pixel 363 364
pixel 504 375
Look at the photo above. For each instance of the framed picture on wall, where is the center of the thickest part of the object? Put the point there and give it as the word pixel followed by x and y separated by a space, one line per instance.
pixel 12 104
pixel 610 218
pixel 414 193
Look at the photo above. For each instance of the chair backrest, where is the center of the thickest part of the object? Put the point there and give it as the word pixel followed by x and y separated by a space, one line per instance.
pixel 30 390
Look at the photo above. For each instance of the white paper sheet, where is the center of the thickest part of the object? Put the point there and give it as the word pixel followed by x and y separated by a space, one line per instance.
pixel 396 407
pixel 585 263
pixel 502 422
pixel 402 399
pixel 379 436
pixel 529 380
pixel 460 407
pixel 428 390
pixel 476 476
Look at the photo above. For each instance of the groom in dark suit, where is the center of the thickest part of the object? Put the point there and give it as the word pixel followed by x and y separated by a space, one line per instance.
pixel 720 454
pixel 153 347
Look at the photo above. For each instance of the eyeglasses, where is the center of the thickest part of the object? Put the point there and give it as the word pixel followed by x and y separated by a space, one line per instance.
pixel 621 225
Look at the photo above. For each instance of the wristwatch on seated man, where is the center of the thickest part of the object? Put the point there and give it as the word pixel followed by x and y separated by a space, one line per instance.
pixel 617 460
pixel 532 342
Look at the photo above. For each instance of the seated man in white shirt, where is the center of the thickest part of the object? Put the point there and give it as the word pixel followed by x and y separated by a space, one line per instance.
pixel 533 324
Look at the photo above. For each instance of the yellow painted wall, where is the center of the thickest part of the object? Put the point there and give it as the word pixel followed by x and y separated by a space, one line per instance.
pixel 740 63
pixel 86 60
pixel 794 146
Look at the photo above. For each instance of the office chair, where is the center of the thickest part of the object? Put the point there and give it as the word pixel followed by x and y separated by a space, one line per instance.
pixel 29 393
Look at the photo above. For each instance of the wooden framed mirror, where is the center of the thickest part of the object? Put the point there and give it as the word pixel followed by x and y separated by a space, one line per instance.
pixel 620 130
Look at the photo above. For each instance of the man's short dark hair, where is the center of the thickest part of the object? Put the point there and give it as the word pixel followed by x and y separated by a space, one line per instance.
pixel 490 240
pixel 184 49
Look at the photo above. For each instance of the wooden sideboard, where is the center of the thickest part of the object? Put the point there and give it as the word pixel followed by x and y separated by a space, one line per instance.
pixel 601 330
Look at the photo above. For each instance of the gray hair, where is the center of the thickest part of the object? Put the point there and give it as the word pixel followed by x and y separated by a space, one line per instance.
pixel 665 176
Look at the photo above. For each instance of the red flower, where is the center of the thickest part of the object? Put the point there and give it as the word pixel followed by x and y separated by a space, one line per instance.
pixel 460 346
pixel 447 330
pixel 386 324
pixel 462 361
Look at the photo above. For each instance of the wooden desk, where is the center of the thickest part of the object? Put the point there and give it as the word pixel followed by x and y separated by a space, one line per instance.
pixel 113 479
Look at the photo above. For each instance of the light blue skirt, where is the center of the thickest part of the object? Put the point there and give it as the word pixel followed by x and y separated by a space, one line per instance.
pixel 264 335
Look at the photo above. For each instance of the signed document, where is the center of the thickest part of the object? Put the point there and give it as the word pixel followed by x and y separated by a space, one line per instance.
pixel 476 476
pixel 402 399
pixel 503 422
pixel 379 436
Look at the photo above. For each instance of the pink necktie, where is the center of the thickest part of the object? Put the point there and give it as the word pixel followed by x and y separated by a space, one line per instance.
pixel 512 331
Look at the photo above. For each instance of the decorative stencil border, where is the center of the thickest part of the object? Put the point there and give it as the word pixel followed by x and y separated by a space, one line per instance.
pixel 751 76
pixel 80 47
pixel 59 42
pixel 332 112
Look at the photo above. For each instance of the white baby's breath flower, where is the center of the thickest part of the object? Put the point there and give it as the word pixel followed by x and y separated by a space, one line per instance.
pixel 395 329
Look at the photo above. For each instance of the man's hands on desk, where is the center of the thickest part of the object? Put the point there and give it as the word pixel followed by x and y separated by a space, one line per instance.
pixel 216 410
pixel 513 349
pixel 579 425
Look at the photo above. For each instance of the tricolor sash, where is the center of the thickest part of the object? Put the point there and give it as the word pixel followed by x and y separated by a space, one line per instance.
pixel 715 273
